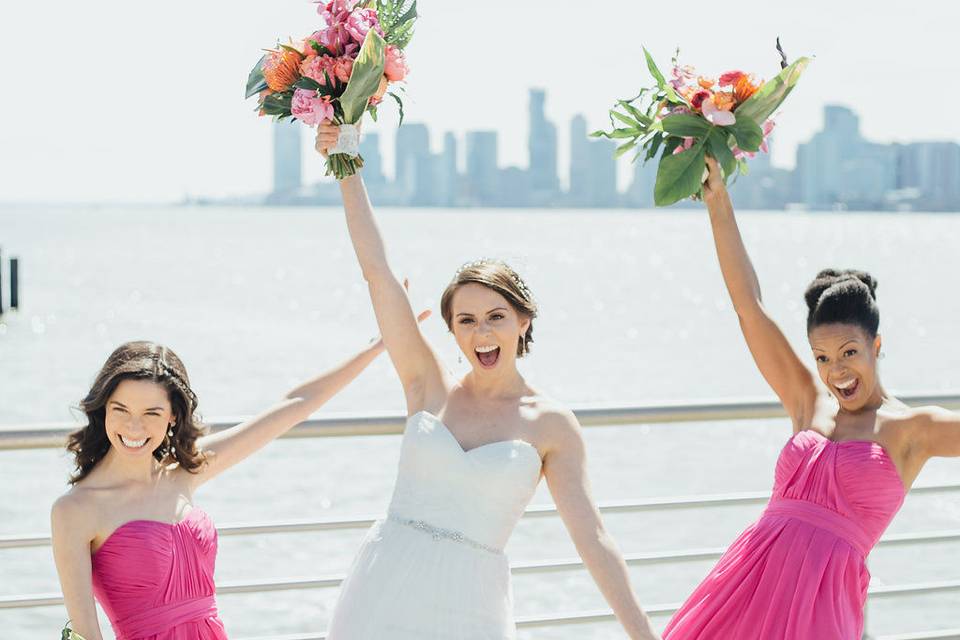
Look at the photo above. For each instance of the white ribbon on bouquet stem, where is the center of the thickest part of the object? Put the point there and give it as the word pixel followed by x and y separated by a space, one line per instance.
pixel 348 142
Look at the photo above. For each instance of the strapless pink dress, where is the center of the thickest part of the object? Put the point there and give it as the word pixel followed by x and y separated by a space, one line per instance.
pixel 799 572
pixel 154 580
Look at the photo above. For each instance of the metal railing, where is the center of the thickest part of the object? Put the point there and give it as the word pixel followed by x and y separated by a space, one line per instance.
pixel 53 435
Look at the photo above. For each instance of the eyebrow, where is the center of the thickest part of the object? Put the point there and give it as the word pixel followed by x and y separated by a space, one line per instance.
pixel 120 404
pixel 491 311
pixel 853 341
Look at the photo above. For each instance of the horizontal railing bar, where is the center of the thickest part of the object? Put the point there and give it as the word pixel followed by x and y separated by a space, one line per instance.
pixel 942 634
pixel 52 435
pixel 535 511
pixel 293 584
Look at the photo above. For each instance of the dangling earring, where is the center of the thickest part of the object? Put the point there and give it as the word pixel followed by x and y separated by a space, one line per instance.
pixel 881 355
pixel 460 358
pixel 172 449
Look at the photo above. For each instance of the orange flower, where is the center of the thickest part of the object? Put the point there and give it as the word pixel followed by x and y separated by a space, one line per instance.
pixel 724 101
pixel 281 69
pixel 744 88
pixel 706 83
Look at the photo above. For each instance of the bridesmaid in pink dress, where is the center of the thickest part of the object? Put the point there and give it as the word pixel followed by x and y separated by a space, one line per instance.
pixel 127 533
pixel 799 572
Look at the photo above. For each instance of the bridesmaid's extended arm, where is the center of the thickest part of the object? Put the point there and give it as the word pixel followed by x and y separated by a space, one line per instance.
pixel 229 447
pixel 566 474
pixel 939 432
pixel 71 526
pixel 416 364
pixel 780 365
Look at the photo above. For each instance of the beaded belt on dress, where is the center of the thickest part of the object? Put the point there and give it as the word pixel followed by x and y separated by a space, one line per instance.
pixel 440 533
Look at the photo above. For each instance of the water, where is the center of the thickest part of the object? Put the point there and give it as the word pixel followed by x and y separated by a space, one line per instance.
pixel 632 309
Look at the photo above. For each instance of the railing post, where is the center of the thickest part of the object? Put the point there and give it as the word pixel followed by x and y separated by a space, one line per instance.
pixel 14 283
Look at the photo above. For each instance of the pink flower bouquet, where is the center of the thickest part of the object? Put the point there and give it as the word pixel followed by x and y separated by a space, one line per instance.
pixel 338 73
pixel 690 116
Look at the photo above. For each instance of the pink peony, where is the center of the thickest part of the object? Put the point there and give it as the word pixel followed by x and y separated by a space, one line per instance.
pixel 395 67
pixel 342 68
pixel 315 66
pixel 310 108
pixel 336 10
pixel 730 78
pixel 359 22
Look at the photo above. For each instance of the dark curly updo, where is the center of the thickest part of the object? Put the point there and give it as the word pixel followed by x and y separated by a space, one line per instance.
pixel 843 296
pixel 139 361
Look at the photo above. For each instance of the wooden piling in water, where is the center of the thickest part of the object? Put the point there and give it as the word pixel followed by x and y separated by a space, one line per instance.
pixel 14 283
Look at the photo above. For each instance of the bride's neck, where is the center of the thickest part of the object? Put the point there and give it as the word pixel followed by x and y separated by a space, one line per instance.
pixel 492 386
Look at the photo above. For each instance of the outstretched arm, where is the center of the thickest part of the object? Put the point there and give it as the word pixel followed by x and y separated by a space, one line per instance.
pixel 565 471
pixel 779 364
pixel 939 431
pixel 421 374
pixel 229 447
pixel 71 525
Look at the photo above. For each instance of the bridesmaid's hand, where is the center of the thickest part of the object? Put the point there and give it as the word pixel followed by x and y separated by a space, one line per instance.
pixel 327 135
pixel 714 184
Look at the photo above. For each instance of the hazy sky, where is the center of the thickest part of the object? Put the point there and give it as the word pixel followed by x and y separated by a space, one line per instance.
pixel 114 100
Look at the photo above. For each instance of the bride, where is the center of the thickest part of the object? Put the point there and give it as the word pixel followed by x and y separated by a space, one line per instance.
pixel 472 454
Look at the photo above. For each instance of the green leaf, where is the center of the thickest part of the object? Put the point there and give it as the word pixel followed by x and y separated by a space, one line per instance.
pixel 771 95
pixel 372 110
pixel 748 134
pixel 308 83
pixel 679 176
pixel 638 115
pixel 622 149
pixel 627 120
pixel 399 105
pixel 654 70
pixel 624 133
pixel 654 145
pixel 291 49
pixel 365 79
pixel 255 81
pixel 278 104
pixel 687 125
pixel 718 148
pixel 411 14
pixel 320 49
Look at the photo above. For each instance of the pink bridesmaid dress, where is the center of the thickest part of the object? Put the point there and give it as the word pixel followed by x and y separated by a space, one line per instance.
pixel 154 580
pixel 799 572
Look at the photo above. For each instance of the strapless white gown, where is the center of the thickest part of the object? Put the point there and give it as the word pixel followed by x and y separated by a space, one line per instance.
pixel 434 568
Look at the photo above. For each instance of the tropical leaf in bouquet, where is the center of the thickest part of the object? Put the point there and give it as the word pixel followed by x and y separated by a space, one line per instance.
pixel 654 145
pixel 719 148
pixel 686 125
pixel 365 78
pixel 255 81
pixel 747 133
pixel 277 104
pixel 679 175
pixel 771 95
pixel 397 18
pixel 399 105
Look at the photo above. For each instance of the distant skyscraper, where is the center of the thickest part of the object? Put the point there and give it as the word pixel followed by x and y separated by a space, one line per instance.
pixel 286 156
pixel 603 173
pixel 482 172
pixel 449 178
pixel 412 157
pixel 838 166
pixel 640 192
pixel 372 159
pixel 543 149
pixel 579 162
pixel 931 170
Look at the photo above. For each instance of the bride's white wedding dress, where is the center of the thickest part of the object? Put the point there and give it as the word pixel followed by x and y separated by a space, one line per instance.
pixel 434 568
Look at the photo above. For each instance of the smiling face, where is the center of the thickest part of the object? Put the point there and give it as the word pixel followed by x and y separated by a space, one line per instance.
pixel 137 416
pixel 846 358
pixel 487 328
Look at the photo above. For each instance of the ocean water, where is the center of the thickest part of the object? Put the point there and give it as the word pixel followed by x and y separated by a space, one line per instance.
pixel 632 310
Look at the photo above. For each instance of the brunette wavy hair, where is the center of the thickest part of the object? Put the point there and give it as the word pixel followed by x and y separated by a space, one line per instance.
pixel 140 360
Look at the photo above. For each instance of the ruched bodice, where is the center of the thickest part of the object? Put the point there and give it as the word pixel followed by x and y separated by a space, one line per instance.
pixel 800 571
pixel 481 492
pixel 154 579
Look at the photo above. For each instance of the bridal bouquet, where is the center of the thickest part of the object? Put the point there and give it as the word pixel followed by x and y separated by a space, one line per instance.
pixel 690 116
pixel 338 73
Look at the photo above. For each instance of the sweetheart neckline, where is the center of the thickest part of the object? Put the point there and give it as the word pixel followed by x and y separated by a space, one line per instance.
pixel 467 452
pixel 162 523
pixel 883 450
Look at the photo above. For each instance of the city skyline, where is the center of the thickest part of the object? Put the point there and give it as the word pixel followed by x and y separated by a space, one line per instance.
pixel 837 168
pixel 182 128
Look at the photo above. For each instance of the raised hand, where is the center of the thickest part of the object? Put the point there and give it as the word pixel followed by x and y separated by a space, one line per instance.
pixel 714 185
pixel 327 135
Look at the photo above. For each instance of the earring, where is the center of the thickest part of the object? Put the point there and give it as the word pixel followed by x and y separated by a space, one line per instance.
pixel 460 358
pixel 881 355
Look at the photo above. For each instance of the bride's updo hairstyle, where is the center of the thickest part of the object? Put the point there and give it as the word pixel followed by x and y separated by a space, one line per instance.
pixel 496 275
pixel 843 296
